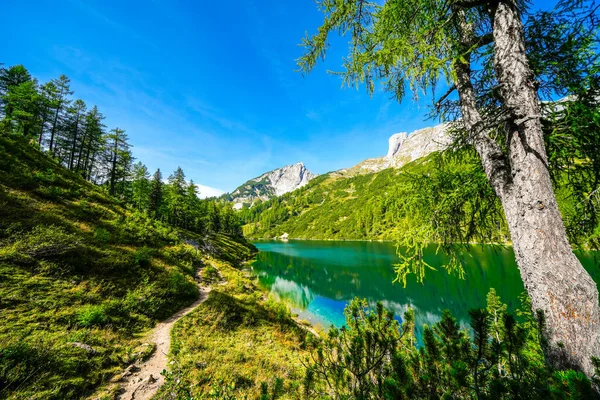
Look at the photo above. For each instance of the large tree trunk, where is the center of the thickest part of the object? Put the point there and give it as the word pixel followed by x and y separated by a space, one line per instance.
pixel 554 278
pixel 556 281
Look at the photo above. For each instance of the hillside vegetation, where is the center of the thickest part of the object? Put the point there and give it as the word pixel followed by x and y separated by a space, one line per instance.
pixel 81 275
pixel 441 198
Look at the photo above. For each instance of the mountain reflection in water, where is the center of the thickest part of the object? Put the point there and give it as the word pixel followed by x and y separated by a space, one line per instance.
pixel 318 278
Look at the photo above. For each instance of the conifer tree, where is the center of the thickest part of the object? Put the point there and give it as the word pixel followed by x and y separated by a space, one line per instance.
pixel 192 208
pixel 175 199
pixel 156 195
pixel 140 186
pixel 47 93
pixel 72 132
pixel 10 79
pixel 92 142
pixel 495 62
pixel 59 103
pixel 22 104
pixel 118 158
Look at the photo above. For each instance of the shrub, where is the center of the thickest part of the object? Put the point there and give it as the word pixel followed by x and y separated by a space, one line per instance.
pixel 91 315
pixel 143 257
pixel 102 235
pixel 43 242
pixel 181 286
pixel 47 177
pixel 210 274
pixel 279 311
pixel 373 357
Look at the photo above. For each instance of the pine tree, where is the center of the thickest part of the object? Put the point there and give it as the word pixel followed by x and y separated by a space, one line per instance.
pixel 175 199
pixel 47 93
pixel 10 79
pixel 92 142
pixel 496 61
pixel 155 202
pixel 140 187
pixel 192 208
pixel 73 128
pixel 118 158
pixel 59 102
pixel 22 104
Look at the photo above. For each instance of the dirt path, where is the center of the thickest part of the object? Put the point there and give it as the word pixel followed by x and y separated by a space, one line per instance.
pixel 144 378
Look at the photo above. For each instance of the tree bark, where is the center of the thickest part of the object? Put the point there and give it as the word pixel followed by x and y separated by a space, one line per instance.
pixel 554 278
pixel 556 281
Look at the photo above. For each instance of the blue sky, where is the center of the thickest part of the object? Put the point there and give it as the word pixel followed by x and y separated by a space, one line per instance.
pixel 208 86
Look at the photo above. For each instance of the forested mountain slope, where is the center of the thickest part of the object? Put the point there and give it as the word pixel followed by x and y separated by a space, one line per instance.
pixel 384 204
pixel 81 274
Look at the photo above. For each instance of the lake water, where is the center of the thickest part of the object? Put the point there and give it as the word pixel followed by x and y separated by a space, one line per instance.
pixel 318 278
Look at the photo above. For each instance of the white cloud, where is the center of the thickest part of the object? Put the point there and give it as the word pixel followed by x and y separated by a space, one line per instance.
pixel 207 191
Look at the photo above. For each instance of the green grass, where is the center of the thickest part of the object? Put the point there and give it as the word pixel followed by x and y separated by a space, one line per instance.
pixel 237 344
pixel 78 268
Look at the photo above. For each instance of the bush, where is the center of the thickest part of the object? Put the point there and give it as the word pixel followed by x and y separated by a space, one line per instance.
pixel 210 274
pixel 47 177
pixel 91 315
pixel 143 257
pixel 373 357
pixel 102 235
pixel 278 310
pixel 43 242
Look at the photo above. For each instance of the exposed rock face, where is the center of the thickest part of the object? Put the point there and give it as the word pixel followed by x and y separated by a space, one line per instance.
pixel 271 184
pixel 404 148
pixel 395 142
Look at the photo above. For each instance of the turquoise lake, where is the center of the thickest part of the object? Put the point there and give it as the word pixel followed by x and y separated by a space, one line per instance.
pixel 318 278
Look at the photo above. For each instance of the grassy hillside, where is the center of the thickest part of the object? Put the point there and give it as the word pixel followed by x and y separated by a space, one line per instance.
pixel 238 344
pixel 81 276
pixel 439 198
pixel 338 206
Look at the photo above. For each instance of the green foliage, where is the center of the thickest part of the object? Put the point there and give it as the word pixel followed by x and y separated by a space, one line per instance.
pixel 77 139
pixel 42 243
pixel 373 357
pixel 102 235
pixel 80 271
pixel 143 256
pixel 443 199
pixel 235 345
pixel 91 315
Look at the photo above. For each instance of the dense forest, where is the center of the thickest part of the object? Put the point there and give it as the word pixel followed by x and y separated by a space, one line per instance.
pixel 52 121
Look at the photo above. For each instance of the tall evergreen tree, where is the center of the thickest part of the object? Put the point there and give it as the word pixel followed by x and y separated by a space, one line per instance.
pixel 92 142
pixel 175 200
pixel 22 104
pixel 118 158
pixel 10 79
pixel 59 102
pixel 48 92
pixel 74 126
pixel 140 187
pixel 156 195
pixel 192 207
pixel 481 48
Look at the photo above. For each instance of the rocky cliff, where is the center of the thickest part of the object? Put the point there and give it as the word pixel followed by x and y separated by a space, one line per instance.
pixel 271 184
pixel 406 147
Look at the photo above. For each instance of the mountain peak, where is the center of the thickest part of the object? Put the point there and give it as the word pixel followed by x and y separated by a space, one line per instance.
pixel 271 184
pixel 406 147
